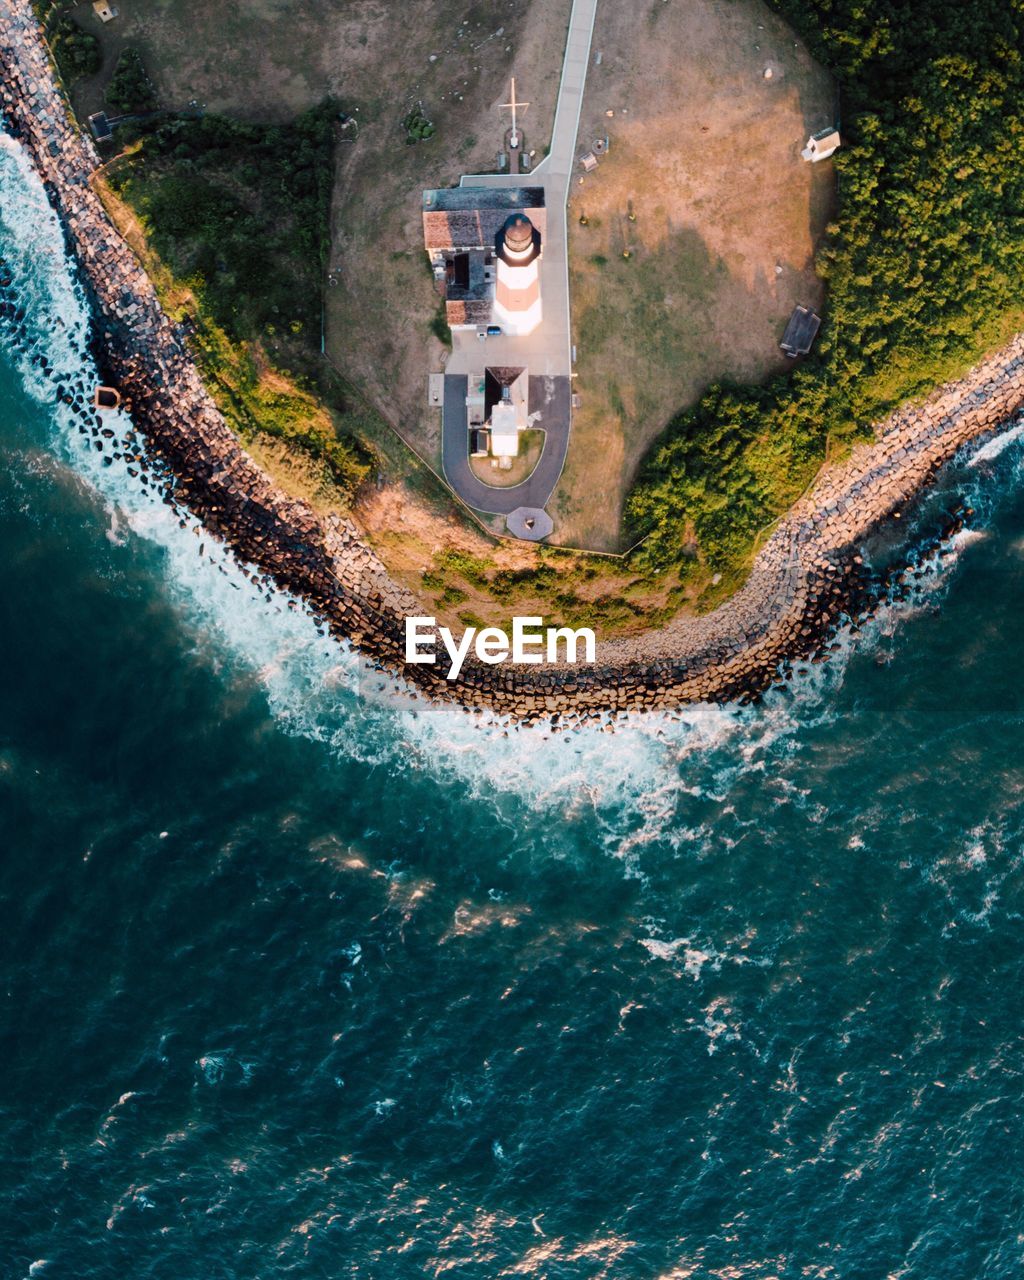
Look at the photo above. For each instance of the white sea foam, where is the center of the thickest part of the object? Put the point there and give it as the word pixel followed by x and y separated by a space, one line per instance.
pixel 692 958
pixel 997 446
pixel 212 1065
pixel 628 781
pixel 720 1025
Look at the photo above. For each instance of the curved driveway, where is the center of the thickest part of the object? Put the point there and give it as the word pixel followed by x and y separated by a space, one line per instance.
pixel 549 412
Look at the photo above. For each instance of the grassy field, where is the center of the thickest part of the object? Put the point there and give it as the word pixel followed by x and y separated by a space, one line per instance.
pixel 290 429
pixel 235 215
pixel 255 61
pixel 694 238
pixel 690 244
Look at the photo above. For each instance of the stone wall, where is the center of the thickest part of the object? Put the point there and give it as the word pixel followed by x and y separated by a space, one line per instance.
pixel 805 577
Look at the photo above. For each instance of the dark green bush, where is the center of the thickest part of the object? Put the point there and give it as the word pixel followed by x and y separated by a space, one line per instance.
pixel 417 127
pixel 76 52
pixel 130 89
pixel 243 211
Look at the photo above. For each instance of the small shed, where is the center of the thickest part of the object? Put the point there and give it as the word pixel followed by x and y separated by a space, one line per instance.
pixel 821 145
pixel 100 128
pixel 105 11
pixel 800 332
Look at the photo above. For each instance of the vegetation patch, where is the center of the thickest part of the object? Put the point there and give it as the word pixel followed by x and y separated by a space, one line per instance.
pixel 239 210
pixel 439 325
pixel 563 588
pixel 416 125
pixel 924 266
pixel 76 52
pixel 130 89
pixel 236 219
pixel 692 239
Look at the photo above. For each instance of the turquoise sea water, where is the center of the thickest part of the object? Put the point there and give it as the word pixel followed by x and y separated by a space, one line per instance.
pixel 303 978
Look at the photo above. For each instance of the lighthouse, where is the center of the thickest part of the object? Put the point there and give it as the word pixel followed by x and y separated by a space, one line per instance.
pixel 517 279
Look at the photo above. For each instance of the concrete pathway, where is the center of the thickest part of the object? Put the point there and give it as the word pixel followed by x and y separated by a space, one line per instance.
pixel 559 161
pixel 548 350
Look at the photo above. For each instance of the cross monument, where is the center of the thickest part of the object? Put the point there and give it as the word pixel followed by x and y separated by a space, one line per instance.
pixel 513 141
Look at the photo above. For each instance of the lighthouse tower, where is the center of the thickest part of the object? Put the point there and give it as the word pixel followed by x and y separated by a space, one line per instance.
pixel 517 281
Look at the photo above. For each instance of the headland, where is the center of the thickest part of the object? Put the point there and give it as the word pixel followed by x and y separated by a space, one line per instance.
pixel 806 578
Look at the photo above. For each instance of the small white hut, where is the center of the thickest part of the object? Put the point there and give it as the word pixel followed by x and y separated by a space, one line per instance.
pixel 821 145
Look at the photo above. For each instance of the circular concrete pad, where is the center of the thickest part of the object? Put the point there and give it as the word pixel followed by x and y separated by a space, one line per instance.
pixel 530 523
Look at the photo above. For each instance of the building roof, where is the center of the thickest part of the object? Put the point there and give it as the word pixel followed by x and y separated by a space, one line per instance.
pixel 100 126
pixel 800 332
pixel 466 277
pixel 468 310
pixel 504 430
pixel 496 379
pixel 518 232
pixel 518 241
pixel 471 217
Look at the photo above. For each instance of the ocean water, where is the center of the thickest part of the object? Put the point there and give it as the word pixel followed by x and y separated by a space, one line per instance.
pixel 301 977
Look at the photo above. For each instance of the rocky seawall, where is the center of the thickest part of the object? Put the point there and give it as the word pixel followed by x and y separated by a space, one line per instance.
pixel 806 577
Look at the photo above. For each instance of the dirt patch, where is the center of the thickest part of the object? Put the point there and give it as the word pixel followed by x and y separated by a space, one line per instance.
pixel 694 238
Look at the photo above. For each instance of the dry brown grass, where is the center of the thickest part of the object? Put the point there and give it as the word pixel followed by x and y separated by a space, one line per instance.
pixel 464 578
pixel 704 189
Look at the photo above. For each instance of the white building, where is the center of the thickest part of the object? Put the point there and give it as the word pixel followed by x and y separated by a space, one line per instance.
pixel 821 145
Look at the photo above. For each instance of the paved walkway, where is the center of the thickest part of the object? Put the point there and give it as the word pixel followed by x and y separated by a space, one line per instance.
pixel 548 350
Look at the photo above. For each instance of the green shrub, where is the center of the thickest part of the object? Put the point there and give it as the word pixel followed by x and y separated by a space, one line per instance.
pixel 439 325
pixel 242 211
pixel 467 566
pixel 130 89
pixel 416 125
pixel 76 52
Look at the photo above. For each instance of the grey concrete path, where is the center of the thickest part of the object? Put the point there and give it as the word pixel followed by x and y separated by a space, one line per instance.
pixel 558 163
pixel 548 350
